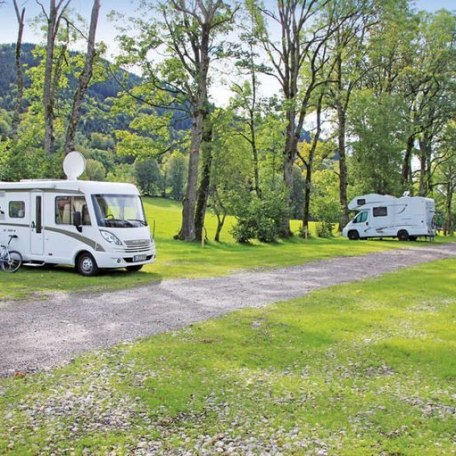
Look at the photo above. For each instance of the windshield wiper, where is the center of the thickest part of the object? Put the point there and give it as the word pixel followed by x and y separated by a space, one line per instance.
pixel 137 220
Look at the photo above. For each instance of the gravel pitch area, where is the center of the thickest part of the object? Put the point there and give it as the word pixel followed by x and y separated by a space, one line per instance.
pixel 43 333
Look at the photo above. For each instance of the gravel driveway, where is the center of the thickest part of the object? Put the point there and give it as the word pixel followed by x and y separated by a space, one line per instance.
pixel 45 333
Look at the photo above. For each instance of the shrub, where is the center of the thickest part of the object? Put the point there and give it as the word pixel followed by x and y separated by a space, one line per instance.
pixel 324 229
pixel 259 218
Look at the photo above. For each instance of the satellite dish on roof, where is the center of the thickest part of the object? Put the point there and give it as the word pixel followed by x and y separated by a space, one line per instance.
pixel 74 165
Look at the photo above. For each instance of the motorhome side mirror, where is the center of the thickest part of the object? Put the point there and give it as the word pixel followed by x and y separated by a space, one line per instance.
pixel 77 220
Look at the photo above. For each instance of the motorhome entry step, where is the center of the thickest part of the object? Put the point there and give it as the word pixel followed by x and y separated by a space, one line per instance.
pixel 34 265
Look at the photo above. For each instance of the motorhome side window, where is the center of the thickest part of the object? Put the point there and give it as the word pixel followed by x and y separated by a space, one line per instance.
pixel 17 209
pixel 66 206
pixel 380 211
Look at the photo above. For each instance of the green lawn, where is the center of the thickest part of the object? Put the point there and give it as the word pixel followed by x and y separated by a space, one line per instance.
pixel 182 259
pixel 361 369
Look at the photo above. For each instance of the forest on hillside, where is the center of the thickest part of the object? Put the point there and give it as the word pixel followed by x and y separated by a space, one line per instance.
pixel 329 100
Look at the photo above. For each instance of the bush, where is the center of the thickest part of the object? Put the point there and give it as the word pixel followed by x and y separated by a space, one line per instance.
pixel 324 229
pixel 244 230
pixel 259 218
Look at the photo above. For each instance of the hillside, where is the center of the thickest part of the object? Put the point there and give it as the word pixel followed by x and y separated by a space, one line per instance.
pixel 98 99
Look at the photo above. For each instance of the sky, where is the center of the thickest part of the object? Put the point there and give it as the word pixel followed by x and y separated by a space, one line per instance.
pixel 106 30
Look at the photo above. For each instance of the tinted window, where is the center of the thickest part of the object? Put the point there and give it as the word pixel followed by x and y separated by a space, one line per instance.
pixel 380 211
pixel 361 202
pixel 17 209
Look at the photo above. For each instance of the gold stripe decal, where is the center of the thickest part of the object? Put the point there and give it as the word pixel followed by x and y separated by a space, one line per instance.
pixel 83 239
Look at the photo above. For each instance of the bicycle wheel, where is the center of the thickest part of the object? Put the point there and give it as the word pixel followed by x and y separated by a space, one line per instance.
pixel 12 262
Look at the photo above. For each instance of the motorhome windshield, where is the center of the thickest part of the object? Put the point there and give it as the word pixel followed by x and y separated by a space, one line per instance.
pixel 119 211
pixel 361 217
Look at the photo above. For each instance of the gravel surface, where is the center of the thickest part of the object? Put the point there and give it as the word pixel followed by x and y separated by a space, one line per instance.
pixel 43 333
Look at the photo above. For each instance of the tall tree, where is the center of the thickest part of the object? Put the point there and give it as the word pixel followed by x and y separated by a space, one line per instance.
pixel 185 33
pixel 444 170
pixel 20 15
pixel 303 31
pixel 192 26
pixel 84 80
pixel 51 76
pixel 308 162
pixel 353 18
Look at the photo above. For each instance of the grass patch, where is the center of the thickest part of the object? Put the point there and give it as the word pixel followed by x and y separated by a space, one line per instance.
pixel 360 369
pixel 182 259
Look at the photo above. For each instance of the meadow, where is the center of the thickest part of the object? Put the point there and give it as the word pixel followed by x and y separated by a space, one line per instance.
pixel 177 259
pixel 367 368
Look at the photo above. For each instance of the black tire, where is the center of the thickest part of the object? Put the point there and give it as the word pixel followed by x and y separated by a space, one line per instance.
pixel 135 268
pixel 13 263
pixel 403 235
pixel 353 235
pixel 86 264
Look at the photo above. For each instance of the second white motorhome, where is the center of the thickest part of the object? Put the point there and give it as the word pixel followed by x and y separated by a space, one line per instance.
pixel 406 218
pixel 90 225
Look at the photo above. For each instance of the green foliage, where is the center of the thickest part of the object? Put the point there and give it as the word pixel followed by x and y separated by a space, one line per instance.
pixel 122 173
pixel 324 206
pixel 148 176
pixel 378 126
pixel 259 218
pixel 175 171
pixel 101 141
pixel 95 171
pixel 297 193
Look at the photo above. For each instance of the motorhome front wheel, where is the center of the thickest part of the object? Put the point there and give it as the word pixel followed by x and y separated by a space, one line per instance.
pixel 86 264
pixel 403 235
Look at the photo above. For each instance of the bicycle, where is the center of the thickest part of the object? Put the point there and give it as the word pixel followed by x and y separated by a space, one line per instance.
pixel 10 260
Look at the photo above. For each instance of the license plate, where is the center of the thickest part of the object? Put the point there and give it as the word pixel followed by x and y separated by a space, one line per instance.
pixel 140 258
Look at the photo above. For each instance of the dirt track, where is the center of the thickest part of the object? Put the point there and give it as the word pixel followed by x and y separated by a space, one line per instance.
pixel 43 334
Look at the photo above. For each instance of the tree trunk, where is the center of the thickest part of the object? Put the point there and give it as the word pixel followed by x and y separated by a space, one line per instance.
pixel 50 79
pixel 309 168
pixel 289 157
pixel 47 91
pixel 203 190
pixel 307 191
pixel 448 228
pixel 256 173
pixel 343 179
pixel 425 164
pixel 19 70
pixel 221 216
pixel 407 164
pixel 187 231
pixel 84 80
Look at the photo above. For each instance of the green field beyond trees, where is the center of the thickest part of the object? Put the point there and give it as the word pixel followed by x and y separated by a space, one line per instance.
pixel 183 259
pixel 361 369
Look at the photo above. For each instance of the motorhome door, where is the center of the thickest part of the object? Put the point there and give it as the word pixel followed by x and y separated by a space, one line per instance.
pixel 36 223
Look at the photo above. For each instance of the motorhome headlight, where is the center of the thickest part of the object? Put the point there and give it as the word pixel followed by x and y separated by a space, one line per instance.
pixel 111 238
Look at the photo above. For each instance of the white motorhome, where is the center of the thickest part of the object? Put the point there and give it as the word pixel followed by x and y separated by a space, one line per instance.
pixel 90 225
pixel 387 216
